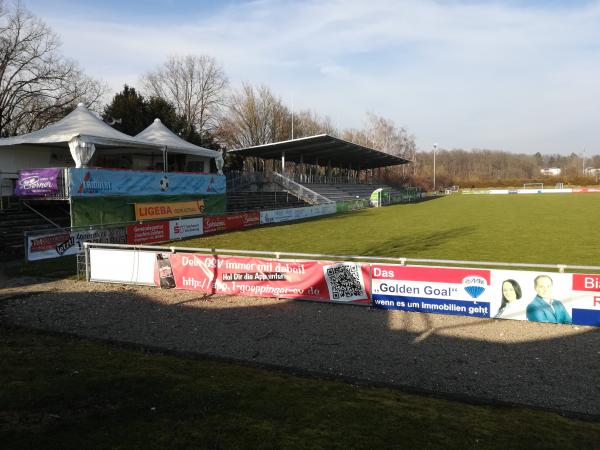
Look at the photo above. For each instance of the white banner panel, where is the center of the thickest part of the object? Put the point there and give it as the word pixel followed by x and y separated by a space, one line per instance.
pixel 502 294
pixel 525 191
pixel 183 228
pixel 277 215
pixel 122 266
pixel 328 208
pixel 285 215
pixel 545 297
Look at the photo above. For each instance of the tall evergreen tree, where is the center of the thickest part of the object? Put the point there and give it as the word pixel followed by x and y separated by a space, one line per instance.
pixel 127 112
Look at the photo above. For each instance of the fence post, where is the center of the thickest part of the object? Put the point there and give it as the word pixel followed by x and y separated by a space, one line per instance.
pixel 25 246
pixel 86 251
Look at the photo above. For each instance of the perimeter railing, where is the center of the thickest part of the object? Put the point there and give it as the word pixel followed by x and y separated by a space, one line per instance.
pixel 561 268
pixel 300 191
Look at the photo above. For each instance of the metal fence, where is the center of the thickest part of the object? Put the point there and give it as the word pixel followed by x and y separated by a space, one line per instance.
pixel 352 205
pixel 406 195
pixel 561 268
pixel 7 188
pixel 237 179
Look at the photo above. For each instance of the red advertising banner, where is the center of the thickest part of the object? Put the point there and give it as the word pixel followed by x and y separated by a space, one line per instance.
pixel 582 282
pixel 147 233
pixel 229 222
pixel 262 277
pixel 586 189
pixel 45 243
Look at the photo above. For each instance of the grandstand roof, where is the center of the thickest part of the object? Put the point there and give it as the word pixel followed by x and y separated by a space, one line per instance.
pixel 323 148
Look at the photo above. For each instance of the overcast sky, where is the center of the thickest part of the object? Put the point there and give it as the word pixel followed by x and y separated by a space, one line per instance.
pixel 521 76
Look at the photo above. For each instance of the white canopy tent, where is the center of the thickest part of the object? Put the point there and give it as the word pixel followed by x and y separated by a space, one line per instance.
pixel 81 135
pixel 159 134
pixel 81 131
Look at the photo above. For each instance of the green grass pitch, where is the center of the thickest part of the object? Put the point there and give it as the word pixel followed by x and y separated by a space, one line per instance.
pixel 549 229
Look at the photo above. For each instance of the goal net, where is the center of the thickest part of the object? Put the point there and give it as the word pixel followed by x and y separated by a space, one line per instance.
pixel 533 185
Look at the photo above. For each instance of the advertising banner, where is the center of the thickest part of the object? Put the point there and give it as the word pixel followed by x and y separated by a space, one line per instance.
pixel 277 215
pixel 546 297
pixel 586 189
pixel 38 182
pixel 463 292
pixel 70 242
pixel 148 233
pixel 501 294
pixel 88 211
pixel 184 228
pixel 288 214
pixel 475 191
pixel 230 222
pixel 148 211
pixel 88 182
pixel 530 191
pixel 263 277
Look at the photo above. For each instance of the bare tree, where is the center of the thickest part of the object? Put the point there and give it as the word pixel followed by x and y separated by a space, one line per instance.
pixel 254 116
pixel 382 134
pixel 195 85
pixel 309 123
pixel 386 136
pixel 37 85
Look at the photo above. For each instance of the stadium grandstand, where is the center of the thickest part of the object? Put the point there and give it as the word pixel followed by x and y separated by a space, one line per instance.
pixel 315 169
pixel 309 171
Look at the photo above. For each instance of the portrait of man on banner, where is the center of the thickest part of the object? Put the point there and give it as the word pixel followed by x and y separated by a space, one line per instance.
pixel 543 308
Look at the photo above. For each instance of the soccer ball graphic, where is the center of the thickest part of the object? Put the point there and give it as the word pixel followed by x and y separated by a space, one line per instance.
pixel 164 184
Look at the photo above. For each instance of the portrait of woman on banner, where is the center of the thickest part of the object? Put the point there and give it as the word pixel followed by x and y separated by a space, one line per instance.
pixel 510 307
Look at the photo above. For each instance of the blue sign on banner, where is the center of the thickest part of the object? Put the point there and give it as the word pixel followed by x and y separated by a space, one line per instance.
pixel 432 305
pixel 86 182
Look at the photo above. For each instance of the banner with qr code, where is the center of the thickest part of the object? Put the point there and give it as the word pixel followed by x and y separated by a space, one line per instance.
pixel 264 277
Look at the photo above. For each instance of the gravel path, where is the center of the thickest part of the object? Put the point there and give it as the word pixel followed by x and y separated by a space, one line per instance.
pixel 550 366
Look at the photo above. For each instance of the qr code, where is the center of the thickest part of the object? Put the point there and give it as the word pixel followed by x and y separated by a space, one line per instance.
pixel 345 282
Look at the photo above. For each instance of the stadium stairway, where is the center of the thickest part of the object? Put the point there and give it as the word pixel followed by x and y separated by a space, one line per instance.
pixel 18 219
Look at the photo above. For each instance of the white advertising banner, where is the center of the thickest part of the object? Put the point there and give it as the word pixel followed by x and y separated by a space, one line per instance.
pixel 285 215
pixel 183 228
pixel 525 191
pixel 64 243
pixel 502 294
pixel 122 266
pixel 277 215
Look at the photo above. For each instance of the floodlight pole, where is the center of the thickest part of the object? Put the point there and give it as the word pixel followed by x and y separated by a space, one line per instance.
pixel 434 150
